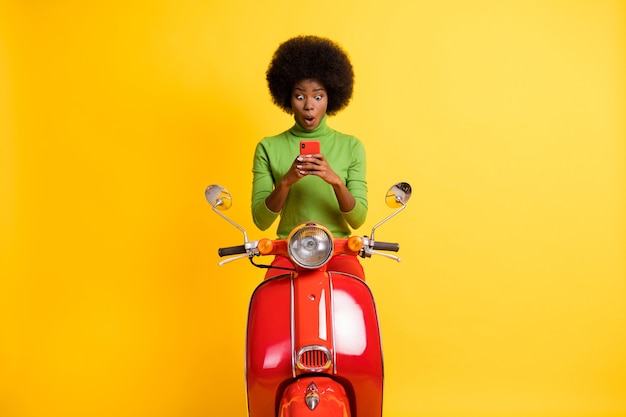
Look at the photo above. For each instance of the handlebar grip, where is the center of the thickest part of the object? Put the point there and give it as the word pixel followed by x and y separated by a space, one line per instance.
pixel 388 246
pixel 231 250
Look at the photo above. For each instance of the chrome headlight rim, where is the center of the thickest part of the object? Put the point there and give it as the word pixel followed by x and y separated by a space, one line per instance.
pixel 310 233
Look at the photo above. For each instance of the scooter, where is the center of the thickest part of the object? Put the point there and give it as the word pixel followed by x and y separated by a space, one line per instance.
pixel 313 343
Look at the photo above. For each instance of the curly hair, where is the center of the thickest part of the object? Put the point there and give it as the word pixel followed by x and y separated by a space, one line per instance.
pixel 315 58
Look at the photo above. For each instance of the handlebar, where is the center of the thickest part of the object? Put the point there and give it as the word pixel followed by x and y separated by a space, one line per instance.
pixel 231 250
pixel 387 246
pixel 370 248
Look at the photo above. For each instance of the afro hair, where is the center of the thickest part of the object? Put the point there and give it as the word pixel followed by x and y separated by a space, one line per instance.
pixel 310 58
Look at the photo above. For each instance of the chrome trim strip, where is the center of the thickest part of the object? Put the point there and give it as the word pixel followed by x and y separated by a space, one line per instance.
pixel 331 287
pixel 293 327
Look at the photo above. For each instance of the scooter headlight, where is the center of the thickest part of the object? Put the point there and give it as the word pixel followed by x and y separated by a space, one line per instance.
pixel 310 245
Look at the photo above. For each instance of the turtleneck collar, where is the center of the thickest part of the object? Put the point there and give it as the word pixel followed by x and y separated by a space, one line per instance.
pixel 321 129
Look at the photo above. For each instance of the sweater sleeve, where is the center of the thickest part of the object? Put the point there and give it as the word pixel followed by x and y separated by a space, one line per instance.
pixel 357 185
pixel 262 186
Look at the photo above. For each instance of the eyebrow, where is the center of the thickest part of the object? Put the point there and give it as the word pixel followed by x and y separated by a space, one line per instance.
pixel 316 89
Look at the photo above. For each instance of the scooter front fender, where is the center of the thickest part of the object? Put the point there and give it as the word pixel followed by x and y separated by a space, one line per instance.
pixel 314 396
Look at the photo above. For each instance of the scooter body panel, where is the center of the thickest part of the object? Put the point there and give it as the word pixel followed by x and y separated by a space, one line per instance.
pixel 268 345
pixel 359 360
pixel 330 313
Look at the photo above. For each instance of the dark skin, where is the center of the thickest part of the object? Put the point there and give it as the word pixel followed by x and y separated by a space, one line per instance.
pixel 309 102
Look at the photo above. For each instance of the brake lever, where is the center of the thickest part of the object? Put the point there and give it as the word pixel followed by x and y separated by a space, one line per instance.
pixel 234 258
pixel 386 255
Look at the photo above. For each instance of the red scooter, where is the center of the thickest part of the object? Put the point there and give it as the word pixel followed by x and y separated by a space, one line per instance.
pixel 313 341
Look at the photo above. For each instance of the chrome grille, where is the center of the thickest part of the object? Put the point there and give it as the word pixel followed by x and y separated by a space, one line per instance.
pixel 314 358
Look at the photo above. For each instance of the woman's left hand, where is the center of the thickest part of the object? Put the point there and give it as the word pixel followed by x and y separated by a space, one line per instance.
pixel 316 164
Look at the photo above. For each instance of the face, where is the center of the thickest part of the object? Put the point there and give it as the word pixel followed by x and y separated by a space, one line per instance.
pixel 308 102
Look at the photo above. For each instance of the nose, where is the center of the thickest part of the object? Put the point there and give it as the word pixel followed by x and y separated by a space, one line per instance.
pixel 309 103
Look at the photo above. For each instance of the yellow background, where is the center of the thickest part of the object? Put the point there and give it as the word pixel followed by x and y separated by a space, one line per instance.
pixel 507 117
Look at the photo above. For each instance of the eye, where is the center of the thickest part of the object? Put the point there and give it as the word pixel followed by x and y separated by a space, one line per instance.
pixel 299 97
pixel 318 97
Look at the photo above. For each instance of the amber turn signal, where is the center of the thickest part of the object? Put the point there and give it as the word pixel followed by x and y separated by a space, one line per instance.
pixel 355 243
pixel 265 246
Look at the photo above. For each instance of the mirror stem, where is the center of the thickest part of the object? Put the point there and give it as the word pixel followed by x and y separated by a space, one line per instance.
pixel 245 235
pixel 385 219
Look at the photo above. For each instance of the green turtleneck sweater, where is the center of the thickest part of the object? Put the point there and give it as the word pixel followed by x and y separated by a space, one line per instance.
pixel 311 198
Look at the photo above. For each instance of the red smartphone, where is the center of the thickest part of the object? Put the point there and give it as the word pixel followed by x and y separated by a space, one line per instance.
pixel 309 147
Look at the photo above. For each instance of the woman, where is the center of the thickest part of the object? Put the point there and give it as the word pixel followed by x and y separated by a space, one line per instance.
pixel 311 78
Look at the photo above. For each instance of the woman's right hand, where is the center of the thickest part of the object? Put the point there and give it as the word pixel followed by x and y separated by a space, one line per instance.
pixel 295 173
pixel 278 196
